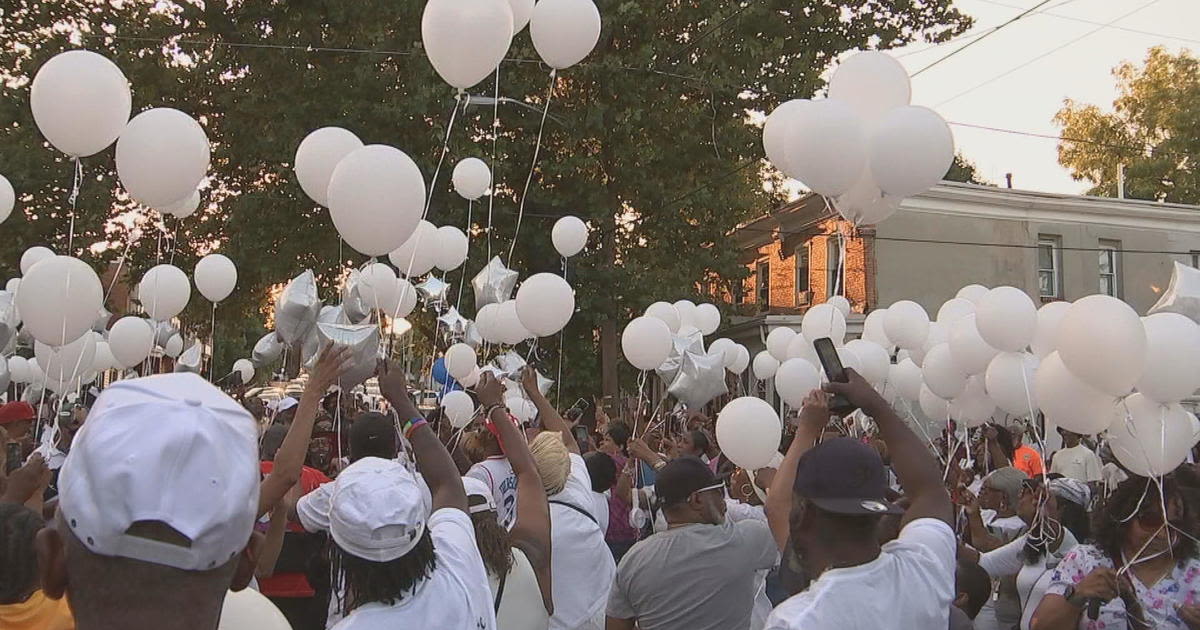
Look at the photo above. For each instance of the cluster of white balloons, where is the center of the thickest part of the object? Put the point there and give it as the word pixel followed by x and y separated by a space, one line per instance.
pixel 563 33
pixel 542 307
pixel 864 145
pixel 647 341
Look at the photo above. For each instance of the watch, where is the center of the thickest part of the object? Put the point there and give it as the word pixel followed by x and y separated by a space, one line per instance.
pixel 1072 598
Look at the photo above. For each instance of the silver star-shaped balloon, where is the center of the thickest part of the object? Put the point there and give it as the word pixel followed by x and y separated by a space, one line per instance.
pixel 434 292
pixel 8 318
pixel 267 350
pixel 354 309
pixel 686 340
pixel 473 337
pixel 511 364
pixel 297 308
pixel 163 331
pixel 1182 295
pixel 493 284
pixel 455 323
pixel 191 359
pixel 701 378
pixel 363 341
pixel 101 323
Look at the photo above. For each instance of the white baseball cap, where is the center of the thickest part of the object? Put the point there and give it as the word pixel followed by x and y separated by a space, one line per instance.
pixel 377 510
pixel 476 488
pixel 168 449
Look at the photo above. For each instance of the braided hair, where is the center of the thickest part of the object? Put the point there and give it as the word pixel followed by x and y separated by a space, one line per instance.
pixel 19 578
pixel 366 581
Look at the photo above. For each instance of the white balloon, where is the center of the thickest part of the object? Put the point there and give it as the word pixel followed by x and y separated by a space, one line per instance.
pixel 451 250
pixel 955 309
pixel 245 368
pixel 402 301
pixel 164 292
pixel 1172 358
pixel 317 156
pixel 777 131
pixel 646 342
pixel 748 431
pixel 1049 316
pixel 80 102
pixel 488 322
pixel 216 276
pixel 1010 379
pixel 1069 402
pixel 545 303
pixel 725 348
pixel 131 339
pixel 874 362
pixel 1102 341
pixel 873 329
pixel 973 407
pixel 12 285
pixel 708 318
pixel 377 285
pixel 522 408
pixel 972 293
pixel 795 379
pixel 174 346
pixel 938 333
pixel 971 353
pixel 840 303
pixel 33 256
pixel 465 41
pixel 522 10
pixel 824 320
pixel 1148 438
pixel 460 360
pixel 942 375
pixel 104 359
pixel 778 341
pixel 687 313
pixel 59 299
pixel 569 236
pixel 18 369
pixel 459 408
pixel 906 324
pixel 741 361
pixel 162 156
pixel 183 208
pixel 816 127
pixel 667 313
pixel 864 203
pixel 418 255
pixel 934 407
pixel 907 377
pixel 377 194
pixel 1006 319
pixel 564 31
pixel 8 198
pixel 911 148
pixel 509 328
pixel 765 366
pixel 66 363
pixel 471 379
pixel 471 178
pixel 250 610
pixel 800 348
pixel 872 82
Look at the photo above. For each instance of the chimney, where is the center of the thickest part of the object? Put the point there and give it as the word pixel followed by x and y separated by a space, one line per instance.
pixel 1008 178
pixel 1120 181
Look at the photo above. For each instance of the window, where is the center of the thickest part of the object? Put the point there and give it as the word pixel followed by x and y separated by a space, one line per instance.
pixel 1049 266
pixel 1196 259
pixel 833 266
pixel 801 273
pixel 763 280
pixel 1110 268
pixel 739 291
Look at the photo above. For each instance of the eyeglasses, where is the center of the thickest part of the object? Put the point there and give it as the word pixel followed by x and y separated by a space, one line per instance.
pixel 715 486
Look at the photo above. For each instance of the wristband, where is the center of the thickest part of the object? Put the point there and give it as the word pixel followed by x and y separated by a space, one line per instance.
pixel 413 425
pixel 487 414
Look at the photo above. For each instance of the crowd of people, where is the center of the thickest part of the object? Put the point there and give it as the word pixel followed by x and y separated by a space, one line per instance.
pixel 144 505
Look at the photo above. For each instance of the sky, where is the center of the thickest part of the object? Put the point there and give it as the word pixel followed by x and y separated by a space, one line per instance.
pixel 1027 98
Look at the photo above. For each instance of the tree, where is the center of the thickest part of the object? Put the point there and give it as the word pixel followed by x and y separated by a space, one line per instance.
pixel 648 140
pixel 1151 132
pixel 964 170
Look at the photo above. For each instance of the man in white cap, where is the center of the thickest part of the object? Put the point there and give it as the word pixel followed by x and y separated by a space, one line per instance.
pixel 399 565
pixel 157 501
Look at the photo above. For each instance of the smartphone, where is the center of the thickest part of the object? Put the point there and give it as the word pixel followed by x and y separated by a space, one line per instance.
pixel 834 371
pixel 13 457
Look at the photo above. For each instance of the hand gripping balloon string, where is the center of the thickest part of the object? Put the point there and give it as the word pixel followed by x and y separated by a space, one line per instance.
pixel 537 148
pixel 72 199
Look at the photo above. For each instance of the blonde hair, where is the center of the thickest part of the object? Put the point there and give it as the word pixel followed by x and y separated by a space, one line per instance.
pixel 552 459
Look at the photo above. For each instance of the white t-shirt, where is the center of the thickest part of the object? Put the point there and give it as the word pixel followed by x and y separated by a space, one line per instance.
pixel 498 474
pixel 1077 463
pixel 601 499
pixel 521 606
pixel 455 596
pixel 910 585
pixel 582 565
pixel 1032 579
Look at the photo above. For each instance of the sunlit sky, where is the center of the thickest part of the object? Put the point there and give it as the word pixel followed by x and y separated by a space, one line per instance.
pixel 1026 99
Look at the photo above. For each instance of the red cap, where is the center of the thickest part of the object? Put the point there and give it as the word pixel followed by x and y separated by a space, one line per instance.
pixel 16 411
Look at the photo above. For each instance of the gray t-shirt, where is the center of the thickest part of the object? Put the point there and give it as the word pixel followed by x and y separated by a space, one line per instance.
pixel 699 577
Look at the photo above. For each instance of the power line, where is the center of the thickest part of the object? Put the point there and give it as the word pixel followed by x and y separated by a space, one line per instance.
pixel 976 41
pixel 1045 54
pixel 1072 18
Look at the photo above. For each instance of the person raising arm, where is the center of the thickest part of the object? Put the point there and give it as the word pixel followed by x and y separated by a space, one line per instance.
pixel 814 415
pixel 550 418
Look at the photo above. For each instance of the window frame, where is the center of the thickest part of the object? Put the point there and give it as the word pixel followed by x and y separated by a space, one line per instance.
pixel 762 281
pixel 802 289
pixel 1112 248
pixel 1056 264
pixel 833 262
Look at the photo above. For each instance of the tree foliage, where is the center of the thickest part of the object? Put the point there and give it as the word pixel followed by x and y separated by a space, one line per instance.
pixel 648 139
pixel 1153 130
pixel 965 171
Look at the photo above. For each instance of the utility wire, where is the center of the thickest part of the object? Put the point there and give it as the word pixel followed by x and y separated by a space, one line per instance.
pixel 1072 18
pixel 981 38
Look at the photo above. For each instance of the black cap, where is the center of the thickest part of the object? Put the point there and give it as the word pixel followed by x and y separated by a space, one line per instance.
pixel 844 476
pixel 680 478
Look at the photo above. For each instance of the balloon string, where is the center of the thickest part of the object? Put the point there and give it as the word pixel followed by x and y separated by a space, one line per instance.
pixel 212 360
pixel 442 158
pixel 533 165
pixel 561 334
pixel 72 199
pixel 130 239
pixel 495 139
pixel 174 241
pixel 462 282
